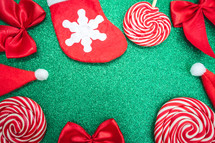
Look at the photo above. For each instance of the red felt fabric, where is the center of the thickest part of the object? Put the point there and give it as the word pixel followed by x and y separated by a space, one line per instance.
pixel 13 78
pixel 102 51
pixel 208 80
pixel 14 39
pixel 190 16
pixel 107 132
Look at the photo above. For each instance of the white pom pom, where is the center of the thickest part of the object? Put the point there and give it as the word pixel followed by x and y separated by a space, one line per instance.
pixel 198 69
pixel 41 74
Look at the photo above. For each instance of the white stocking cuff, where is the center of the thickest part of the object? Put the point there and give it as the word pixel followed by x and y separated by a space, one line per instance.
pixel 52 2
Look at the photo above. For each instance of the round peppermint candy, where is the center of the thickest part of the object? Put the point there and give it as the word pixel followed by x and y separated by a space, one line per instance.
pixel 185 120
pixel 145 25
pixel 21 121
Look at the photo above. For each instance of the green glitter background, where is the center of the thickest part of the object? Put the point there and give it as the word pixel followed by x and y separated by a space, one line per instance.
pixel 130 89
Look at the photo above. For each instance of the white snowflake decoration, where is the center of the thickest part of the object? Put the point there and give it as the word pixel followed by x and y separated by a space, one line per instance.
pixel 84 31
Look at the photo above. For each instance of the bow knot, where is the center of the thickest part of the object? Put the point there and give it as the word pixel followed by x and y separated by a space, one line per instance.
pixel 107 132
pixel 91 140
pixel 23 28
pixel 190 16
pixel 15 40
pixel 202 3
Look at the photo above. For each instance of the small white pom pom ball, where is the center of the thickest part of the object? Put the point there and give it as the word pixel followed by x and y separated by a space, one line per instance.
pixel 41 74
pixel 198 69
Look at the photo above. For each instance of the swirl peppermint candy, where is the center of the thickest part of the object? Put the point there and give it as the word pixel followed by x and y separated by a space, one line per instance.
pixel 185 120
pixel 21 121
pixel 145 25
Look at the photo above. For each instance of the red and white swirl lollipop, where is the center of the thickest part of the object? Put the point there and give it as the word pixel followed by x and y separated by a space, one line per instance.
pixel 145 25
pixel 21 121
pixel 185 120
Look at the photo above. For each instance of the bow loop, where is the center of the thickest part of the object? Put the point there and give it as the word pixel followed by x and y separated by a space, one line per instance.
pixel 9 10
pixel 107 132
pixel 190 16
pixel 5 33
pixel 15 41
pixel 25 14
pixel 30 13
pixel 21 45
pixel 182 11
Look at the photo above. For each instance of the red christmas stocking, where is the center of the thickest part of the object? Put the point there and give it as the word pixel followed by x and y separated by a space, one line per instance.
pixel 84 33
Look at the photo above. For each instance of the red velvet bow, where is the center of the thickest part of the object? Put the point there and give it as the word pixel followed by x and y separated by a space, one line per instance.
pixel 107 132
pixel 190 16
pixel 14 39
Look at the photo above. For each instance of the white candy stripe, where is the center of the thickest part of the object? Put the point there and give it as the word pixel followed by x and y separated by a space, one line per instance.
pixel 145 25
pixel 21 121
pixel 184 120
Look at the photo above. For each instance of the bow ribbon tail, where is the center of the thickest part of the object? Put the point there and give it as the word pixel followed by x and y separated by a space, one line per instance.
pixel 195 32
pixel 107 132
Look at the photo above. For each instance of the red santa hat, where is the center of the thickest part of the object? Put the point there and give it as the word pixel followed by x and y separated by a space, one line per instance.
pixel 208 79
pixel 13 78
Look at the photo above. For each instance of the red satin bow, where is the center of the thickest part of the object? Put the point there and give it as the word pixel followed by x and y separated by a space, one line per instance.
pixel 190 16
pixel 107 132
pixel 14 39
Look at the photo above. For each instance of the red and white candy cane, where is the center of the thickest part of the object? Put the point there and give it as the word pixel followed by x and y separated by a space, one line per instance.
pixel 21 121
pixel 185 120
pixel 145 25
